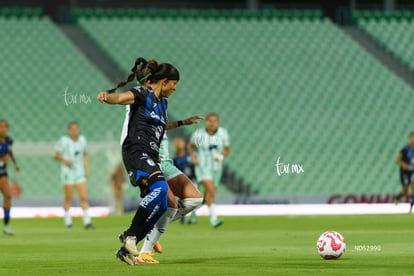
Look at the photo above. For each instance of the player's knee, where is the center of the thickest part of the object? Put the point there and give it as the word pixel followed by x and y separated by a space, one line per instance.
pixel 172 202
pixel 188 205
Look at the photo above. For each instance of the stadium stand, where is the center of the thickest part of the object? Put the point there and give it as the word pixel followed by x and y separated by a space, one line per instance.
pixel 394 31
pixel 291 86
pixel 39 65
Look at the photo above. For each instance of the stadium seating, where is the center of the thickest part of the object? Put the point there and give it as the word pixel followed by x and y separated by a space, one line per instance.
pixel 294 87
pixel 394 31
pixel 38 64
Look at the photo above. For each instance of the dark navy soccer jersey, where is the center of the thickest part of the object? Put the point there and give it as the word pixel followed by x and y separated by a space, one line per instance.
pixel 407 153
pixel 185 164
pixel 6 146
pixel 146 122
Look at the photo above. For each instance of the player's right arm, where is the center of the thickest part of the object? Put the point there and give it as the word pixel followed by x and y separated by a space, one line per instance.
pixel 57 155
pixel 401 162
pixel 124 98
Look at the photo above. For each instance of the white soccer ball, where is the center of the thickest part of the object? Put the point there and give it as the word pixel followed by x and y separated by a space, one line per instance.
pixel 331 245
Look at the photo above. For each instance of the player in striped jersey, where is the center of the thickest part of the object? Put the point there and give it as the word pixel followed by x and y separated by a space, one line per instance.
pixel 6 152
pixel 208 147
pixel 141 138
pixel 180 186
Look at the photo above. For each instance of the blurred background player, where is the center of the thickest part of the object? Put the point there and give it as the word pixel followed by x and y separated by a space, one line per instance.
pixel 71 152
pixel 182 160
pixel 6 152
pixel 405 158
pixel 208 147
pixel 117 180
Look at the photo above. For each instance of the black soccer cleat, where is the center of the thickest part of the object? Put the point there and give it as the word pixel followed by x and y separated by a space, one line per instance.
pixel 89 226
pixel 123 255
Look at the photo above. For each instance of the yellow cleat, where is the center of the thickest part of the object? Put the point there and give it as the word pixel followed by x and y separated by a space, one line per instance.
pixel 146 258
pixel 158 247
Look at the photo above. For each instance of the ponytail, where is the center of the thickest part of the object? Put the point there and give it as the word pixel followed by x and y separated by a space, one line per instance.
pixel 135 74
pixel 151 71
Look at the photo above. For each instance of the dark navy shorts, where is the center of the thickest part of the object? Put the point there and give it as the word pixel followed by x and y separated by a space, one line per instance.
pixel 139 166
pixel 3 169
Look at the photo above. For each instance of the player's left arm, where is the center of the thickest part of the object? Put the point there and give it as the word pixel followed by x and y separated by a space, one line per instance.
pixel 16 166
pixel 226 149
pixel 189 121
pixel 87 164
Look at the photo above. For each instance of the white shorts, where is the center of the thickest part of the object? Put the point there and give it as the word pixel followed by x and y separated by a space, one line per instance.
pixel 203 173
pixel 71 178
pixel 169 170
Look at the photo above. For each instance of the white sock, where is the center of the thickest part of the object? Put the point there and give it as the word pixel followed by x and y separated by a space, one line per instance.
pixel 159 229
pixel 67 218
pixel 213 216
pixel 187 205
pixel 86 217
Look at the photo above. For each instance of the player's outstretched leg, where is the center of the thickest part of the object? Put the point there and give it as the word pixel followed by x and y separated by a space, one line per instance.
pixel 150 209
pixel 185 206
pixel 145 255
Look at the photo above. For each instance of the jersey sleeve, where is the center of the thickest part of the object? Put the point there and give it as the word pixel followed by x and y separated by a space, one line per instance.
pixel 140 94
pixel 226 139
pixel 193 139
pixel 84 144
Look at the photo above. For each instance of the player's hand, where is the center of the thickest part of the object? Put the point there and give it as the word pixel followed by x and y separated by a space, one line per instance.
pixel 68 163
pixel 87 173
pixel 102 97
pixel 193 120
pixel 218 157
pixel 17 167
pixel 196 162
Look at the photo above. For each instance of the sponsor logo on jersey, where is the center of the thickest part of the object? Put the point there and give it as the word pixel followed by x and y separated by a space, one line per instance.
pixel 154 146
pixel 150 162
pixel 156 116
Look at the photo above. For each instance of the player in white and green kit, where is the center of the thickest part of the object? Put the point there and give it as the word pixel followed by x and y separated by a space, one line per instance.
pixel 71 152
pixel 208 147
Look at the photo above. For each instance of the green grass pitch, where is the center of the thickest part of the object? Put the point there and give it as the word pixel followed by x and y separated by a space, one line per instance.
pixel 277 245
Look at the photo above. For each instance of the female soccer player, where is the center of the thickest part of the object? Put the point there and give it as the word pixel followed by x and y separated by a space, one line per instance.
pixel 6 152
pixel 179 185
pixel 208 147
pixel 141 138
pixel 405 158
pixel 71 152
pixel 117 180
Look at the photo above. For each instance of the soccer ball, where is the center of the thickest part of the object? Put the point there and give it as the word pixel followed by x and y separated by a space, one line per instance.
pixel 331 245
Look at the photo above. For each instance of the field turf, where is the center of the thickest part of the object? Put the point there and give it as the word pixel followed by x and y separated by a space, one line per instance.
pixel 242 246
